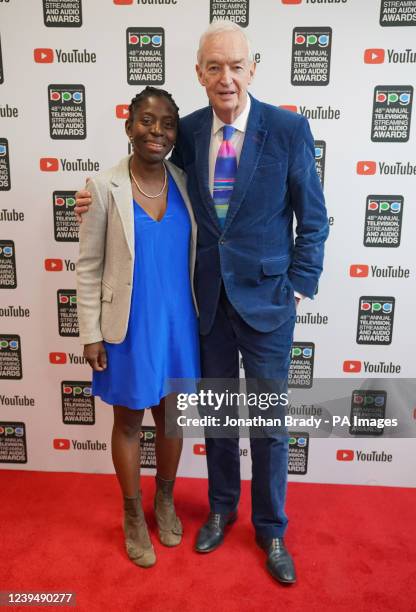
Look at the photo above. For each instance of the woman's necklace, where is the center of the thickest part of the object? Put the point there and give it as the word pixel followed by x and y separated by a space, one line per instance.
pixel 152 197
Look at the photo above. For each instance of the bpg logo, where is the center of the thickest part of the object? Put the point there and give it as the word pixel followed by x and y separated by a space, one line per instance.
pixel 144 40
pixel 311 40
pixel 9 430
pixel 66 201
pixel 13 345
pixel 66 96
pixel 392 98
pixel 300 441
pixel 68 299
pixel 7 251
pixel 306 352
pixel 368 400
pixel 77 391
pixel 3 150
pixel 147 436
pixel 385 307
pixel 394 207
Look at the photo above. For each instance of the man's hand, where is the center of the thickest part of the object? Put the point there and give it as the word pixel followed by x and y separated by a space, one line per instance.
pixel 82 201
pixel 96 356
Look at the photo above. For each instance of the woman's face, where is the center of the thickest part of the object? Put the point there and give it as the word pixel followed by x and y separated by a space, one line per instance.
pixel 153 128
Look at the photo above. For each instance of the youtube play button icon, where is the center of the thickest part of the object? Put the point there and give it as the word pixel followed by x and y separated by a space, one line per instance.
pixel 122 111
pixel 57 358
pixel 200 449
pixel 359 270
pixel 366 168
pixel 61 444
pixel 374 56
pixel 54 265
pixel 43 56
pixel 345 455
pixel 351 366
pixel 289 107
pixel 49 164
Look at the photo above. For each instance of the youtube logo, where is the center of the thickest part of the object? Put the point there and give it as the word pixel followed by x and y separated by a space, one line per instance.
pixel 57 358
pixel 61 444
pixel 291 1
pixel 289 107
pixel 345 455
pixel 366 167
pixel 49 164
pixel 54 265
pixel 122 111
pixel 121 2
pixel 374 56
pixel 351 366
pixel 358 270
pixel 199 449
pixel 43 56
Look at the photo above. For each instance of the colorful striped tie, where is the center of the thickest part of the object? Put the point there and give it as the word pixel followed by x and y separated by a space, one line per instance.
pixel 224 174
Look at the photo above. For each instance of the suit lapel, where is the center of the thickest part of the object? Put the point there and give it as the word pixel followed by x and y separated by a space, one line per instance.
pixel 123 196
pixel 254 139
pixel 202 139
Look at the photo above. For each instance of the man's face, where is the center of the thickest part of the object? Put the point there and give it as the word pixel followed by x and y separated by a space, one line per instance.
pixel 226 71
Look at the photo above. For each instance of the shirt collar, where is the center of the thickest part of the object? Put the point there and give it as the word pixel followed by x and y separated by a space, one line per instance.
pixel 240 123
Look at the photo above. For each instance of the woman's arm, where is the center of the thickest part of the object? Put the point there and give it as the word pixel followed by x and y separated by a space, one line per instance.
pixel 92 237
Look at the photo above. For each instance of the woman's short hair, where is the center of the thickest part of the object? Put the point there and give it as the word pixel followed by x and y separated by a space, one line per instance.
pixel 149 92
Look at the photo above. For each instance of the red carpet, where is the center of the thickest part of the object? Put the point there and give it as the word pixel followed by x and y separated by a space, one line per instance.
pixel 354 549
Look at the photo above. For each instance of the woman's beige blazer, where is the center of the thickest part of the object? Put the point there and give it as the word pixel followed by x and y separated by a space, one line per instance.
pixel 106 254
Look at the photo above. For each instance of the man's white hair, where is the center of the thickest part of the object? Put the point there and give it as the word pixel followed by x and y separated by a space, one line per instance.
pixel 222 25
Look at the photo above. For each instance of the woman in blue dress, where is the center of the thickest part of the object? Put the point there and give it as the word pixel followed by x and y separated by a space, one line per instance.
pixel 136 307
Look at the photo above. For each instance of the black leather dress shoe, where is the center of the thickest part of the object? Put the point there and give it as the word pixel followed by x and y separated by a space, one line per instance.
pixel 279 562
pixel 211 535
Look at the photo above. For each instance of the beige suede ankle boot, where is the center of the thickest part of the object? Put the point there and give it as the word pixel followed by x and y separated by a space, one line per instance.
pixel 138 544
pixel 170 526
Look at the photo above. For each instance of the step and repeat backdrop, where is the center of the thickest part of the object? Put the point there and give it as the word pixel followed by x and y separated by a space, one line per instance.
pixel 68 70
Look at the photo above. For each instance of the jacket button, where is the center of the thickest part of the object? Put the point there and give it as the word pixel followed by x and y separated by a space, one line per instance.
pixel 222 241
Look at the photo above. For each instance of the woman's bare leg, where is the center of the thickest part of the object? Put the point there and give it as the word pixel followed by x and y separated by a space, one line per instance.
pixel 168 450
pixel 125 448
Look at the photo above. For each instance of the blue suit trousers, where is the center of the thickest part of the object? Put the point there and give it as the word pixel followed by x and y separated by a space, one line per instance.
pixel 266 357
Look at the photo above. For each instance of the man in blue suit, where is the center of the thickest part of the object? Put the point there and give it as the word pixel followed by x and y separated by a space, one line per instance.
pixel 250 271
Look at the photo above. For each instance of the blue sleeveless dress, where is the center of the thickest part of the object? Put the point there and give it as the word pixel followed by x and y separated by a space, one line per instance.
pixel 162 336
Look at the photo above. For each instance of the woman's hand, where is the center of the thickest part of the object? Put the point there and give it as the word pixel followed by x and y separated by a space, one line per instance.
pixel 82 202
pixel 96 356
